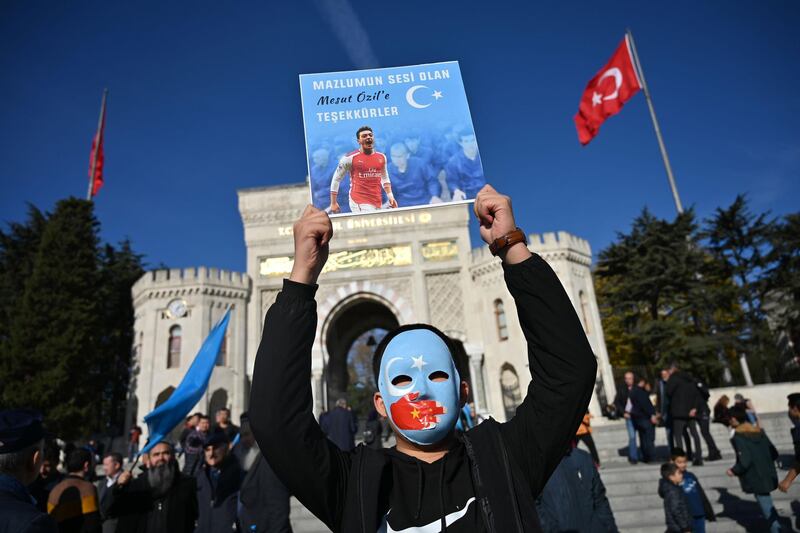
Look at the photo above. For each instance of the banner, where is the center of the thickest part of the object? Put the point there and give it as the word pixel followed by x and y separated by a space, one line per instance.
pixel 389 138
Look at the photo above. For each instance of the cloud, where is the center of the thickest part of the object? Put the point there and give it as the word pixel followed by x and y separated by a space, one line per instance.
pixel 346 26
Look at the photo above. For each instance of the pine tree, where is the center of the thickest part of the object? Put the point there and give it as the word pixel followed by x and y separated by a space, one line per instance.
pixel 740 241
pixel 120 268
pixel 55 333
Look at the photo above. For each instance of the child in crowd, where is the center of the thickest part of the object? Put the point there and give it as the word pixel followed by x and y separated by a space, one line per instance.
pixel 755 463
pixel 699 506
pixel 676 505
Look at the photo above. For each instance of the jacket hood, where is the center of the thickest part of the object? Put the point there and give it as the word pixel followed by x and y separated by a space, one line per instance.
pixel 749 430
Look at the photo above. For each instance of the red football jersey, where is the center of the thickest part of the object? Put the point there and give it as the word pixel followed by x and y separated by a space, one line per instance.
pixel 368 175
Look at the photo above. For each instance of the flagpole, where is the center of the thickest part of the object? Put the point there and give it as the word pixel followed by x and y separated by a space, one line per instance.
pixel 97 145
pixel 661 144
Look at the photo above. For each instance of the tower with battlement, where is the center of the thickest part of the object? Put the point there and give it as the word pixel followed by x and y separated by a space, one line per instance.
pixel 174 311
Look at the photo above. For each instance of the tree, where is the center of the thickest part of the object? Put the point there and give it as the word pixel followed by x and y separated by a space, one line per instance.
pixel 18 249
pixel 782 284
pixel 55 333
pixel 657 293
pixel 119 269
pixel 740 241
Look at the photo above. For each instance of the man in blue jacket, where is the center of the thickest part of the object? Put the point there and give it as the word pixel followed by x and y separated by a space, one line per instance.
pixel 574 498
pixel 21 446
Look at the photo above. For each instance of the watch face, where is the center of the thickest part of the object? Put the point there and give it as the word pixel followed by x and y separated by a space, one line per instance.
pixel 177 308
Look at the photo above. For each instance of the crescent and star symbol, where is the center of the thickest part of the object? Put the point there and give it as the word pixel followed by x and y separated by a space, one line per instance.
pixel 413 103
pixel 598 98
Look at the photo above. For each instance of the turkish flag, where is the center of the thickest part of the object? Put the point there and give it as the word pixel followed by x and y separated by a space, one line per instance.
pixel 96 155
pixel 607 92
pixel 410 413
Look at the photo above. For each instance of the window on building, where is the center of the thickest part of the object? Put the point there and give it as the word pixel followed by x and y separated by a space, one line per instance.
pixel 585 312
pixel 509 385
pixel 222 355
pixel 500 319
pixel 174 353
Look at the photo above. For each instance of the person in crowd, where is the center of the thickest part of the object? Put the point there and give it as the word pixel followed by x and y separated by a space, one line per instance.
pixel 22 439
pixel 755 463
pixel 624 404
pixel 584 435
pixel 133 442
pixel 748 406
pixel 264 500
pixel 48 477
pixel 463 170
pixel 189 425
pixel 341 426
pixel 411 181
pixel 676 504
pixel 466 419
pixel 683 401
pixel 704 421
pixel 160 500
pixel 699 506
pixel 640 418
pixel 373 430
pixel 193 450
pixel 224 424
pixel 662 407
pixel 721 412
pixel 218 482
pixel 794 416
pixel 611 412
pixel 425 482
pixel 574 498
pixel 112 468
pixel 73 503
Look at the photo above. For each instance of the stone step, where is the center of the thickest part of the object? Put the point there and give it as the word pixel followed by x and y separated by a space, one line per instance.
pixel 718 496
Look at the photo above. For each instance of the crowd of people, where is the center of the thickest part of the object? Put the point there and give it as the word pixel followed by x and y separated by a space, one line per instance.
pixel 223 485
pixel 682 409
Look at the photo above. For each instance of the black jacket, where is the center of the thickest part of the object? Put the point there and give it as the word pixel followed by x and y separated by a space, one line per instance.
pixel 676 506
pixel 641 406
pixel 217 501
pixel 508 463
pixel 574 498
pixel 264 500
pixel 139 511
pixel 683 395
pixel 18 514
pixel 755 459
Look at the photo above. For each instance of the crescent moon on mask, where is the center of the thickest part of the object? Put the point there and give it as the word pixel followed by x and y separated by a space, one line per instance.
pixel 410 96
pixel 392 389
pixel 617 74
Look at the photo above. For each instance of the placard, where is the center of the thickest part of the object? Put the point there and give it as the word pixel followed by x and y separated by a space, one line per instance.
pixel 389 138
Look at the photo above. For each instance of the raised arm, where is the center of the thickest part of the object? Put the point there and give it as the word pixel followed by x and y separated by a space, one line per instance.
pixel 311 467
pixel 561 361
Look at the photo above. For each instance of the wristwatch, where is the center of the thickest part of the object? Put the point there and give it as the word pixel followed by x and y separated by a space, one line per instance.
pixel 509 239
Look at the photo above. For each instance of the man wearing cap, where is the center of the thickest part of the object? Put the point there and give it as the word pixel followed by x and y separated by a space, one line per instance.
pixel 161 500
pixel 218 484
pixel 21 442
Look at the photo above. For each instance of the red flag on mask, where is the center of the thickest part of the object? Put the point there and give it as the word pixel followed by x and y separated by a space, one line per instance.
pixel 607 92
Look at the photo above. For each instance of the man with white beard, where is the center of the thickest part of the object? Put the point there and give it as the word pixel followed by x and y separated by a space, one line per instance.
pixel 161 500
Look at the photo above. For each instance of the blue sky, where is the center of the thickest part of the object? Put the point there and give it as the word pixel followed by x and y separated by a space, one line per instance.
pixel 204 100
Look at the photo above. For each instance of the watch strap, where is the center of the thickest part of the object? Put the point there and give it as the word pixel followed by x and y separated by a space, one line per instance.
pixel 509 239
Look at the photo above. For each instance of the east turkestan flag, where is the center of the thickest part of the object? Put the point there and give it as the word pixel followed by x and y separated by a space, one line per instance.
pixel 607 92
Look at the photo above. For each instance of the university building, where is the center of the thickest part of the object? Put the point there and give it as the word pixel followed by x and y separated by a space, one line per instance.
pixel 385 269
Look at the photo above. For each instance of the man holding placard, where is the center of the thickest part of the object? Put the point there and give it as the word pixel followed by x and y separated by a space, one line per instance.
pixel 484 480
